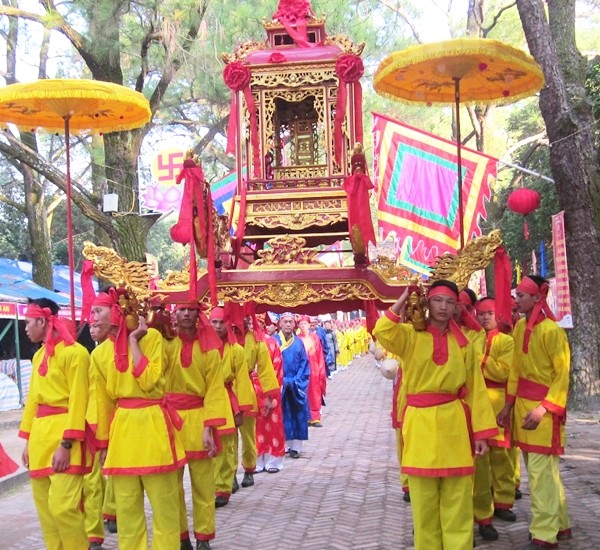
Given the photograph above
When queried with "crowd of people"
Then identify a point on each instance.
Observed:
(469, 394)
(181, 389)
(107, 429)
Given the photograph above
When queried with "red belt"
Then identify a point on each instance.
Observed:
(172, 418)
(235, 405)
(49, 410)
(492, 384)
(531, 390)
(185, 401)
(421, 400)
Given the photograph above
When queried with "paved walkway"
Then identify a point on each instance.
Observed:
(344, 492)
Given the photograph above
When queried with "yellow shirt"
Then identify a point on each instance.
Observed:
(202, 378)
(437, 438)
(142, 439)
(547, 364)
(258, 359)
(65, 385)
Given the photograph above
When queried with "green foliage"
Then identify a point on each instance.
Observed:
(171, 255)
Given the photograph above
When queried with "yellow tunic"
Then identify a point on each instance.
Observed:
(141, 440)
(547, 364)
(437, 439)
(258, 360)
(237, 380)
(65, 385)
(496, 368)
(202, 378)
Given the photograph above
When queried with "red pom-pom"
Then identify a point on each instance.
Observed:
(349, 68)
(236, 76)
(277, 57)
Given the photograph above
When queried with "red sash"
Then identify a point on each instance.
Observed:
(531, 390)
(492, 384)
(49, 410)
(235, 405)
(185, 401)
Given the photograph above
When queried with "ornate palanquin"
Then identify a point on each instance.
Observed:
(290, 198)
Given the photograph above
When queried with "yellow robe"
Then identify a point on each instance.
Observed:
(141, 440)
(258, 360)
(202, 378)
(429, 432)
(65, 385)
(547, 363)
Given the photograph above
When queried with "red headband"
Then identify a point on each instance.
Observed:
(541, 307)
(464, 299)
(34, 311)
(441, 290)
(217, 313)
(188, 305)
(117, 319)
(485, 305)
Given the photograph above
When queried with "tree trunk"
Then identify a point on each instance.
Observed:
(568, 117)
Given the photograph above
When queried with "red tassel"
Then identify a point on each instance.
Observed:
(526, 230)
(502, 283)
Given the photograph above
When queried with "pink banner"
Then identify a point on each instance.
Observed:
(562, 292)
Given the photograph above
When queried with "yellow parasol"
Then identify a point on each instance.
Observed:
(468, 70)
(73, 105)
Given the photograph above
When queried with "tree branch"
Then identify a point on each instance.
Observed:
(405, 17)
(486, 30)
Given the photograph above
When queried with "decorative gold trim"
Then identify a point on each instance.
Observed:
(391, 272)
(476, 254)
(296, 77)
(297, 221)
(245, 49)
(345, 44)
(286, 251)
(312, 21)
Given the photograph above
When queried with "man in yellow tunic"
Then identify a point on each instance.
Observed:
(241, 399)
(196, 389)
(262, 374)
(446, 418)
(537, 388)
(54, 426)
(137, 427)
(494, 488)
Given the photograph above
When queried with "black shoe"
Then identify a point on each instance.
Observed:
(518, 494)
(317, 424)
(202, 545)
(235, 486)
(186, 544)
(294, 454)
(221, 501)
(488, 532)
(111, 525)
(533, 546)
(248, 480)
(95, 546)
(406, 497)
(565, 534)
(505, 515)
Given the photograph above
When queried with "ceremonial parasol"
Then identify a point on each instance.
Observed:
(72, 105)
(468, 70)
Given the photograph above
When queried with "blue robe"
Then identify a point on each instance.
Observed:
(294, 398)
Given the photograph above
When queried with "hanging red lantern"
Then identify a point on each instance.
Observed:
(524, 201)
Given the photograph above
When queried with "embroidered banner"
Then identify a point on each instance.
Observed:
(415, 175)
(562, 293)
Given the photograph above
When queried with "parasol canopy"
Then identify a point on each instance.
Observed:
(89, 105)
(489, 71)
(467, 70)
(73, 105)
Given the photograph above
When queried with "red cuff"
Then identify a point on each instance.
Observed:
(213, 422)
(392, 316)
(74, 434)
(101, 444)
(140, 367)
(511, 399)
(485, 434)
(23, 435)
(554, 409)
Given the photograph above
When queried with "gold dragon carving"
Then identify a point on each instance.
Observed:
(476, 254)
(286, 251)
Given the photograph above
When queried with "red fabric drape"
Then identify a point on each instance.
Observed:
(502, 280)
(349, 69)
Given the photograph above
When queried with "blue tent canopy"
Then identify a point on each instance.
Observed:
(16, 284)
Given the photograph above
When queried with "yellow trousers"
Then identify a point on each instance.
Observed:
(483, 504)
(202, 476)
(503, 477)
(109, 508)
(247, 431)
(515, 456)
(58, 502)
(549, 513)
(403, 477)
(225, 464)
(93, 495)
(442, 510)
(163, 495)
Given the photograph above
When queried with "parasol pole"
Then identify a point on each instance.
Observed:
(459, 160)
(70, 226)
